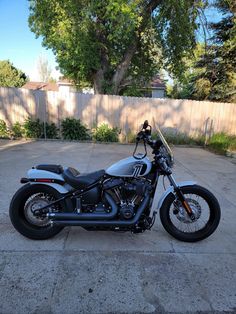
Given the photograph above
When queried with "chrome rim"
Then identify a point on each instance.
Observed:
(181, 220)
(35, 202)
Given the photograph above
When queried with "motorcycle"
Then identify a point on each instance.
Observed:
(116, 199)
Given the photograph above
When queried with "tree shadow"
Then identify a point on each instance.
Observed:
(127, 113)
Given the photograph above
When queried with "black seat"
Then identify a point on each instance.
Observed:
(81, 181)
(50, 167)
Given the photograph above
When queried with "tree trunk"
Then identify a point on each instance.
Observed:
(122, 68)
(98, 80)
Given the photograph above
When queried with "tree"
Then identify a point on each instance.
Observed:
(44, 70)
(216, 76)
(183, 87)
(10, 76)
(112, 44)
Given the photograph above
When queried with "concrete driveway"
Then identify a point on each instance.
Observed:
(105, 272)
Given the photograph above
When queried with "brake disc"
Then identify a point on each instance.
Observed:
(183, 216)
(31, 206)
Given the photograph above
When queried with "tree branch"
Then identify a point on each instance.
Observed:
(130, 51)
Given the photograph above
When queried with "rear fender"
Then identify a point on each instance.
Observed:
(34, 174)
(171, 190)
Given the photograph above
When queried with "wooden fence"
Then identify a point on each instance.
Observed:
(187, 116)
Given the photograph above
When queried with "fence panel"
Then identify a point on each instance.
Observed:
(127, 113)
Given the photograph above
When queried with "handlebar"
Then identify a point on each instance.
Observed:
(145, 136)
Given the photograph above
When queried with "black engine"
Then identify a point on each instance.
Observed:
(127, 193)
(126, 211)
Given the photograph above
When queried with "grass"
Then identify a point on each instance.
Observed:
(183, 139)
(221, 143)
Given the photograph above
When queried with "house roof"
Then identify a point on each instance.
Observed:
(64, 81)
(158, 83)
(47, 86)
(41, 86)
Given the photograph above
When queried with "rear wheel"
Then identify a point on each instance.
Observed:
(28, 199)
(177, 222)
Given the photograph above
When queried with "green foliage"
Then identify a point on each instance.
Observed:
(51, 130)
(131, 137)
(17, 130)
(179, 138)
(33, 128)
(113, 44)
(215, 78)
(104, 133)
(3, 129)
(184, 86)
(211, 72)
(11, 76)
(132, 91)
(176, 22)
(221, 142)
(73, 129)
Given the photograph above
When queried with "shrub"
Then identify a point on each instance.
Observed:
(221, 142)
(51, 130)
(17, 130)
(232, 145)
(3, 129)
(33, 128)
(131, 137)
(73, 129)
(104, 133)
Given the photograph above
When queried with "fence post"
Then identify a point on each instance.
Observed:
(206, 131)
(45, 117)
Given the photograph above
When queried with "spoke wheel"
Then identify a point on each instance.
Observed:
(35, 202)
(25, 202)
(205, 208)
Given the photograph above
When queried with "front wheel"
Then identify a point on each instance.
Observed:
(177, 222)
(28, 199)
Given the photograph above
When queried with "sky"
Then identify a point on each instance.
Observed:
(17, 43)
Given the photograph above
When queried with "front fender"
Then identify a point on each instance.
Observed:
(171, 190)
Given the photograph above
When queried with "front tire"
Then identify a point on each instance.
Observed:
(21, 213)
(176, 221)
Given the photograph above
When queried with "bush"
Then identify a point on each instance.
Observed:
(51, 130)
(17, 130)
(104, 133)
(33, 128)
(232, 145)
(131, 137)
(73, 129)
(221, 142)
(3, 129)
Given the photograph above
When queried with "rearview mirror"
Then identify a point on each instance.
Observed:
(145, 124)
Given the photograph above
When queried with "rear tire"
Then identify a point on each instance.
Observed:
(166, 212)
(18, 216)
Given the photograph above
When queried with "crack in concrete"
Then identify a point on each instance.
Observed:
(65, 240)
(202, 290)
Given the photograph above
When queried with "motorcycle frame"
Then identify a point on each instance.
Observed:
(174, 188)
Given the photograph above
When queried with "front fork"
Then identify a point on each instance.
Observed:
(180, 196)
